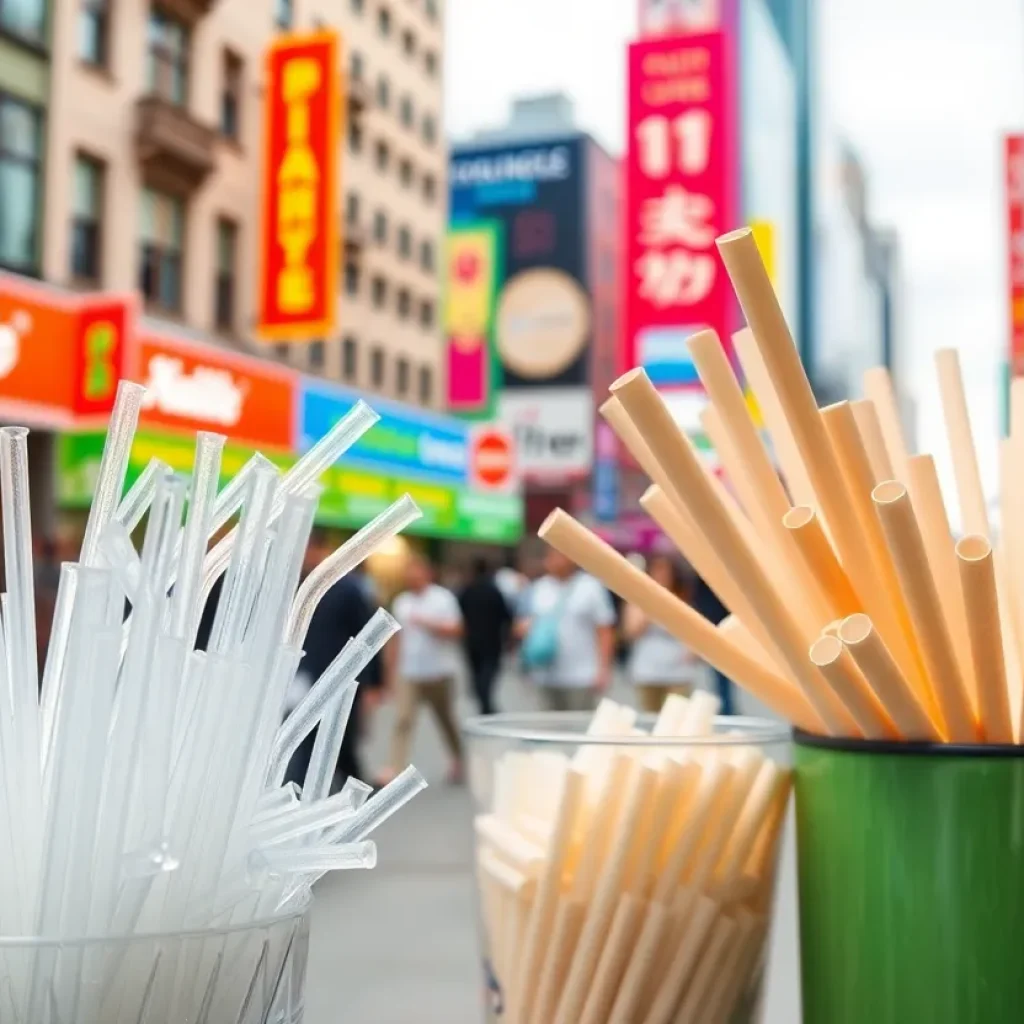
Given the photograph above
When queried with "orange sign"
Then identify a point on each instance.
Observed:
(300, 231)
(194, 387)
(60, 354)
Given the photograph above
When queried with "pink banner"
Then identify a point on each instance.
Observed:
(681, 192)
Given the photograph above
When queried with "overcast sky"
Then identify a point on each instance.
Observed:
(922, 88)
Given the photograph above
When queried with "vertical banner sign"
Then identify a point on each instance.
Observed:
(1015, 248)
(680, 194)
(300, 232)
(472, 255)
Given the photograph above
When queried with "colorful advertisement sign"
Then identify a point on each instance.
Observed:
(473, 270)
(664, 17)
(553, 432)
(300, 241)
(1014, 150)
(681, 194)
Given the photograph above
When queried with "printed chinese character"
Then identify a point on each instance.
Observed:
(678, 216)
(676, 277)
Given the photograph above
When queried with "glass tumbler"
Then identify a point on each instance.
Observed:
(625, 878)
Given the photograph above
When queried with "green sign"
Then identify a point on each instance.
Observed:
(351, 498)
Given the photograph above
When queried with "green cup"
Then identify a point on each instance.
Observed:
(911, 878)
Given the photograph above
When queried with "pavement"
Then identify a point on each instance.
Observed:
(397, 945)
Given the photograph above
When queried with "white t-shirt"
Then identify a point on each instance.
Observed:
(587, 607)
(422, 655)
(658, 657)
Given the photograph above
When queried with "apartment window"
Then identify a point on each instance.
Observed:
(283, 351)
(431, 7)
(356, 66)
(357, 6)
(406, 114)
(383, 92)
(426, 314)
(316, 355)
(163, 233)
(24, 18)
(384, 22)
(227, 254)
(426, 385)
(379, 290)
(429, 187)
(231, 96)
(429, 130)
(408, 42)
(352, 208)
(404, 242)
(430, 63)
(351, 279)
(427, 255)
(377, 367)
(355, 137)
(380, 227)
(167, 57)
(349, 358)
(405, 173)
(404, 303)
(87, 216)
(284, 13)
(93, 28)
(402, 377)
(382, 156)
(20, 177)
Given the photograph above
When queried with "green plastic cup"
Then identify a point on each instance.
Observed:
(911, 879)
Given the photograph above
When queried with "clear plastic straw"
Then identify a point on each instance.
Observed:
(386, 802)
(119, 553)
(302, 820)
(134, 505)
(359, 792)
(273, 802)
(318, 859)
(161, 533)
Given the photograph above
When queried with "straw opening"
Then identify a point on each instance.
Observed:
(974, 548)
(826, 650)
(888, 491)
(855, 629)
(798, 517)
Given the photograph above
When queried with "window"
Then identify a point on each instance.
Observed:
(380, 227)
(427, 255)
(349, 358)
(231, 96)
(163, 231)
(93, 30)
(426, 314)
(351, 279)
(402, 377)
(284, 13)
(167, 58)
(429, 187)
(431, 6)
(227, 249)
(356, 66)
(405, 173)
(379, 289)
(24, 18)
(87, 216)
(404, 303)
(383, 92)
(316, 355)
(20, 174)
(355, 138)
(377, 367)
(283, 351)
(430, 63)
(404, 242)
(382, 156)
(429, 130)
(408, 42)
(426, 385)
(384, 22)
(406, 114)
(357, 6)
(352, 208)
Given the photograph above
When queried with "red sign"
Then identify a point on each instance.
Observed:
(191, 387)
(681, 193)
(1015, 248)
(300, 232)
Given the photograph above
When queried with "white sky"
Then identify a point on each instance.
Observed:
(922, 88)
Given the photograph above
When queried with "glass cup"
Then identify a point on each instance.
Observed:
(625, 878)
(251, 974)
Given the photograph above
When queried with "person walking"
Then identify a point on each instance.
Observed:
(488, 620)
(567, 627)
(658, 663)
(425, 663)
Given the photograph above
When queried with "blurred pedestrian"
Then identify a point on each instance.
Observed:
(658, 663)
(566, 622)
(708, 604)
(488, 620)
(425, 662)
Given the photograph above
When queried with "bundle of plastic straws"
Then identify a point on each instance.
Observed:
(142, 789)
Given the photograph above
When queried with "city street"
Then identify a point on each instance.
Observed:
(397, 945)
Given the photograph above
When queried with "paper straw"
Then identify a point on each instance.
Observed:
(641, 964)
(564, 936)
(719, 942)
(839, 668)
(819, 558)
(973, 509)
(978, 580)
(878, 389)
(870, 428)
(893, 690)
(922, 600)
(622, 935)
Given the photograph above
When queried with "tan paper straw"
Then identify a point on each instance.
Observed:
(839, 668)
(744, 833)
(878, 388)
(765, 317)
(906, 546)
(973, 510)
(617, 418)
(1010, 569)
(798, 483)
(734, 630)
(881, 671)
(564, 938)
(813, 546)
(641, 965)
(588, 551)
(978, 577)
(729, 980)
(708, 970)
(622, 936)
(870, 427)
(637, 395)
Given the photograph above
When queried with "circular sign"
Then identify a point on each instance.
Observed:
(492, 458)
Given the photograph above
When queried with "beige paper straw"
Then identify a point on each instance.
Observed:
(978, 578)
(624, 932)
(813, 546)
(750, 820)
(906, 547)
(564, 939)
(723, 934)
(617, 418)
(641, 965)
(973, 509)
(743, 976)
(897, 696)
(839, 668)
(878, 388)
(870, 427)
(691, 489)
(725, 986)
(798, 483)
(576, 542)
(736, 632)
